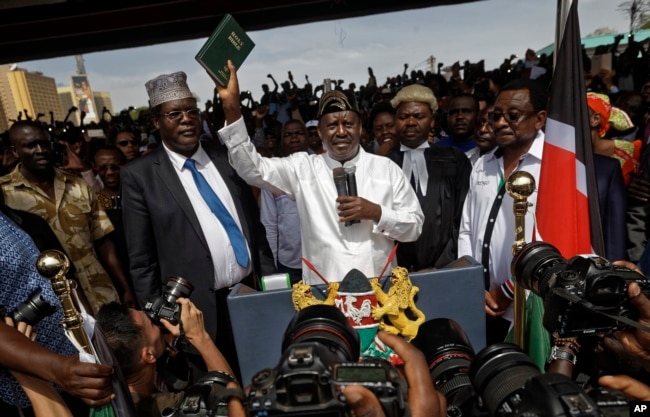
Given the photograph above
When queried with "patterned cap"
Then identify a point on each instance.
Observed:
(167, 87)
(335, 101)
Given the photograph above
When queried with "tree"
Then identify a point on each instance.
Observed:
(638, 11)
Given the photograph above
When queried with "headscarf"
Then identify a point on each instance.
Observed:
(609, 115)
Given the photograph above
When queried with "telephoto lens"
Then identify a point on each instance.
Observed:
(165, 306)
(177, 287)
(449, 354)
(499, 373)
(326, 325)
(33, 309)
(535, 265)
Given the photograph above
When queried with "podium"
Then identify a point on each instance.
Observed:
(259, 318)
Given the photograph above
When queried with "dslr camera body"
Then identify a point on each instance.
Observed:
(320, 357)
(205, 398)
(165, 306)
(582, 296)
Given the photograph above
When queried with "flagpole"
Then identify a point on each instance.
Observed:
(563, 7)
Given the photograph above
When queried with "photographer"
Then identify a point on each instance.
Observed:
(139, 343)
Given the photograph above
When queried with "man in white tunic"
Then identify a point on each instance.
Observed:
(386, 206)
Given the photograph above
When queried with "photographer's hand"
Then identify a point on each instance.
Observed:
(631, 387)
(633, 343)
(639, 188)
(423, 399)
(195, 333)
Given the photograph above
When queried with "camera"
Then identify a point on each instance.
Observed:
(582, 296)
(33, 309)
(204, 398)
(449, 353)
(165, 306)
(320, 356)
(509, 384)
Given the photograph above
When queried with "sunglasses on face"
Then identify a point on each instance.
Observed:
(127, 141)
(511, 116)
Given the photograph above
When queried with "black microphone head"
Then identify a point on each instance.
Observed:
(339, 174)
(340, 181)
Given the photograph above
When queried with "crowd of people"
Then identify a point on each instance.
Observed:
(244, 189)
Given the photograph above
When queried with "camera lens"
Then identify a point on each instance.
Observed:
(33, 309)
(499, 373)
(535, 265)
(177, 287)
(448, 353)
(327, 325)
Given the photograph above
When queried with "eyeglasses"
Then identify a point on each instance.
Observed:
(178, 114)
(511, 116)
(127, 141)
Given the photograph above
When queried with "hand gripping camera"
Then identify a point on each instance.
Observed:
(582, 296)
(165, 306)
(320, 357)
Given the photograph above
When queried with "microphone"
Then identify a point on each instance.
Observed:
(351, 181)
(340, 181)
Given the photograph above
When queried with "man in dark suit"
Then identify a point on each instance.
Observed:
(171, 225)
(439, 175)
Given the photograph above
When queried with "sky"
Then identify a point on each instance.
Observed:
(343, 49)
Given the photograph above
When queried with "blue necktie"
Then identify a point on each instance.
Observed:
(216, 206)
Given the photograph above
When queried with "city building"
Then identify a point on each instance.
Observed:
(22, 91)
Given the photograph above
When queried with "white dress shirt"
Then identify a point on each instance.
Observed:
(485, 181)
(227, 272)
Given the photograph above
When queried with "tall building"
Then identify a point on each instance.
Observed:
(103, 99)
(23, 91)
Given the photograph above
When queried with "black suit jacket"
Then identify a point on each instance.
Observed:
(164, 237)
(437, 246)
(612, 200)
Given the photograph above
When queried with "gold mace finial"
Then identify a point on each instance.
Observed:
(52, 262)
(520, 185)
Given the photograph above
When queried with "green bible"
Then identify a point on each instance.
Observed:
(227, 42)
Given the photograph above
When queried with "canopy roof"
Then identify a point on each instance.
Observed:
(37, 29)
